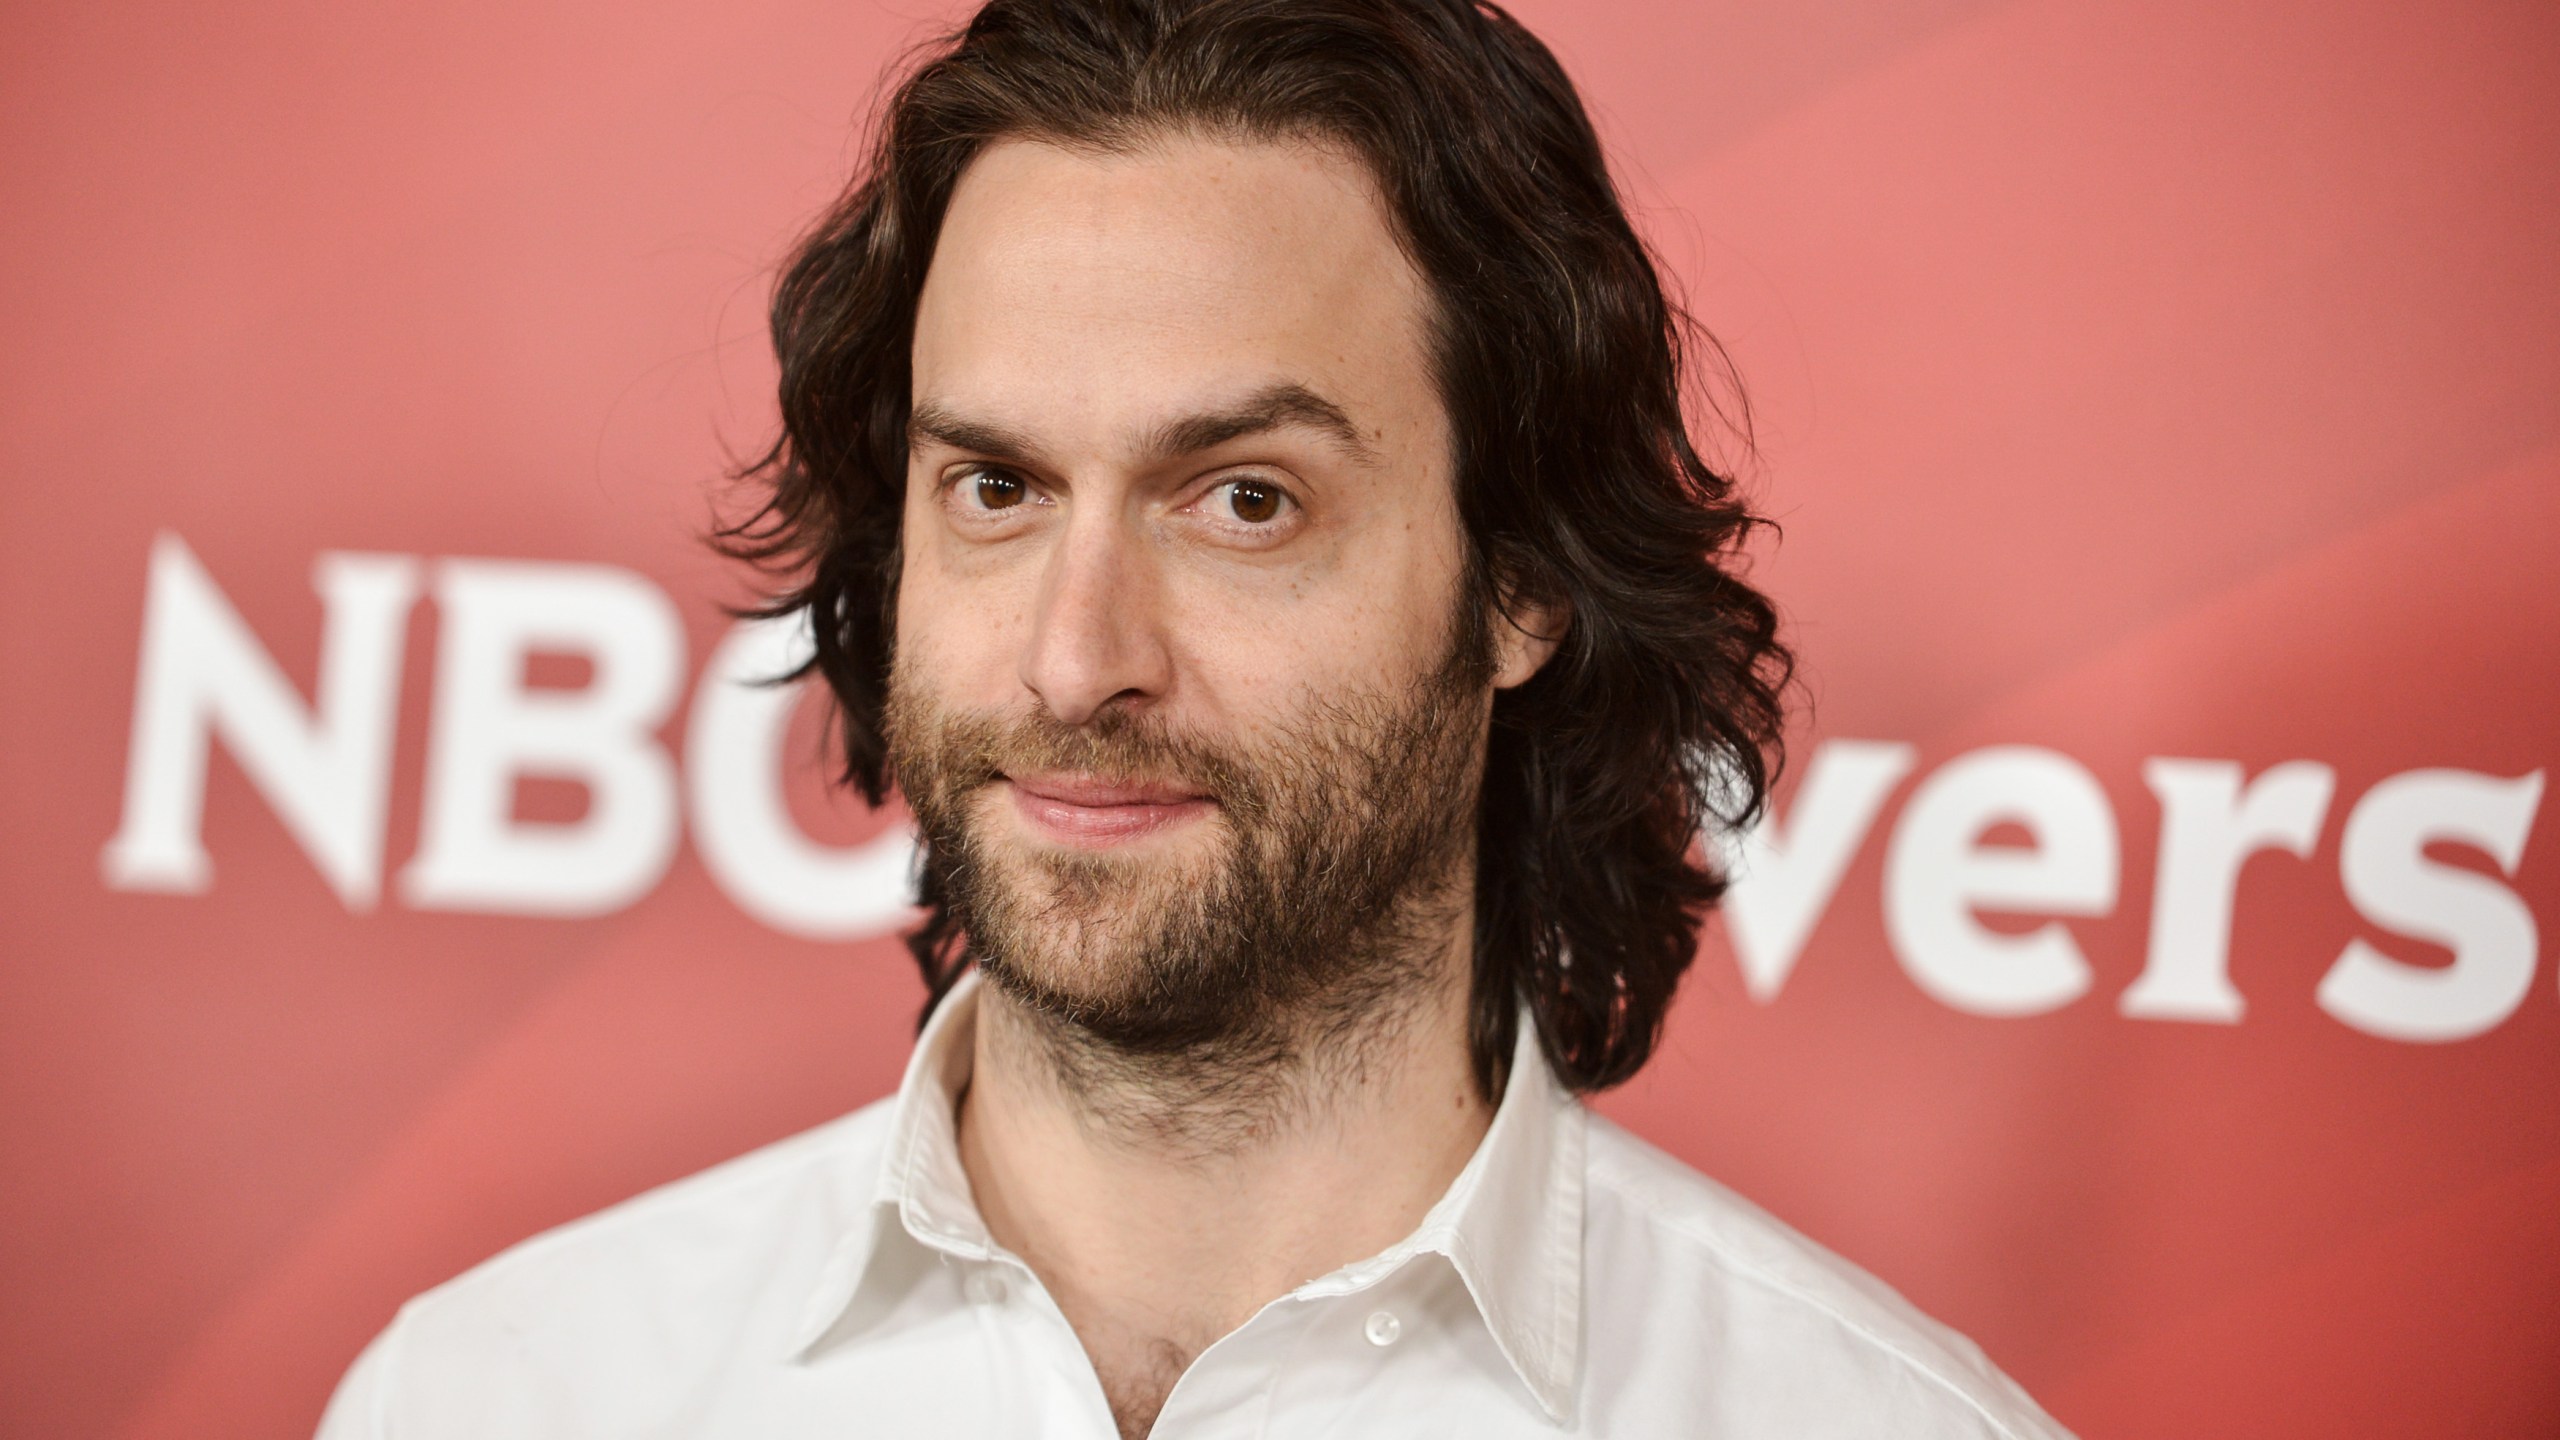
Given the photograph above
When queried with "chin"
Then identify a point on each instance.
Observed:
(1083, 923)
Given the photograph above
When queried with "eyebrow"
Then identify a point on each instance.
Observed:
(1272, 407)
(1279, 406)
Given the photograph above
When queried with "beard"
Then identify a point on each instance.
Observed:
(1313, 912)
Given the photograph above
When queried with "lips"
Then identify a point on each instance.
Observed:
(1091, 812)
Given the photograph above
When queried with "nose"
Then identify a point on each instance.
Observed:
(1097, 635)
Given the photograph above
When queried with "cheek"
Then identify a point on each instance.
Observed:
(1404, 585)
(1257, 649)
(957, 636)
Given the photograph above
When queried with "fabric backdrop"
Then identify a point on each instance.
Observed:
(2144, 972)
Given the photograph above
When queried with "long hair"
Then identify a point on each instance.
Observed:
(1559, 360)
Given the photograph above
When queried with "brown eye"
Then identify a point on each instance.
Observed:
(997, 490)
(1253, 502)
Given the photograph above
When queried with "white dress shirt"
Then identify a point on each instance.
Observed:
(1573, 1281)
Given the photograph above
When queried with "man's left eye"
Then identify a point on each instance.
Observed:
(1255, 502)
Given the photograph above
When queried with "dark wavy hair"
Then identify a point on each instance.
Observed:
(1558, 357)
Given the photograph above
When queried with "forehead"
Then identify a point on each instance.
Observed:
(1073, 288)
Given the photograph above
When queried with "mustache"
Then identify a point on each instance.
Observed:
(970, 750)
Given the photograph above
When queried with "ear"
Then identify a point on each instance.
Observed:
(1525, 634)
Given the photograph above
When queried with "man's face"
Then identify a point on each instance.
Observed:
(1185, 697)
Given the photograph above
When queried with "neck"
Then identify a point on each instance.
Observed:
(1162, 1202)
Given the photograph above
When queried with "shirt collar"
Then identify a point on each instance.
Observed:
(1510, 1223)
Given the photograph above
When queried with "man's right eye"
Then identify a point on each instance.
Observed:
(992, 490)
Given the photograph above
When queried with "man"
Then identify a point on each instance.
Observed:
(1233, 458)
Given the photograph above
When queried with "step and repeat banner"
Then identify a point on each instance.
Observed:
(2146, 970)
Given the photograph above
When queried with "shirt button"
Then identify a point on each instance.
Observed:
(984, 1286)
(1382, 1328)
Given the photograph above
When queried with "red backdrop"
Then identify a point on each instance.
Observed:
(2138, 383)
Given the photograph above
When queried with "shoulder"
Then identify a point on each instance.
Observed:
(1767, 1328)
(632, 1296)
(684, 1236)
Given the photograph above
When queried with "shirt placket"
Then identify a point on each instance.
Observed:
(1227, 1390)
(1053, 1390)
